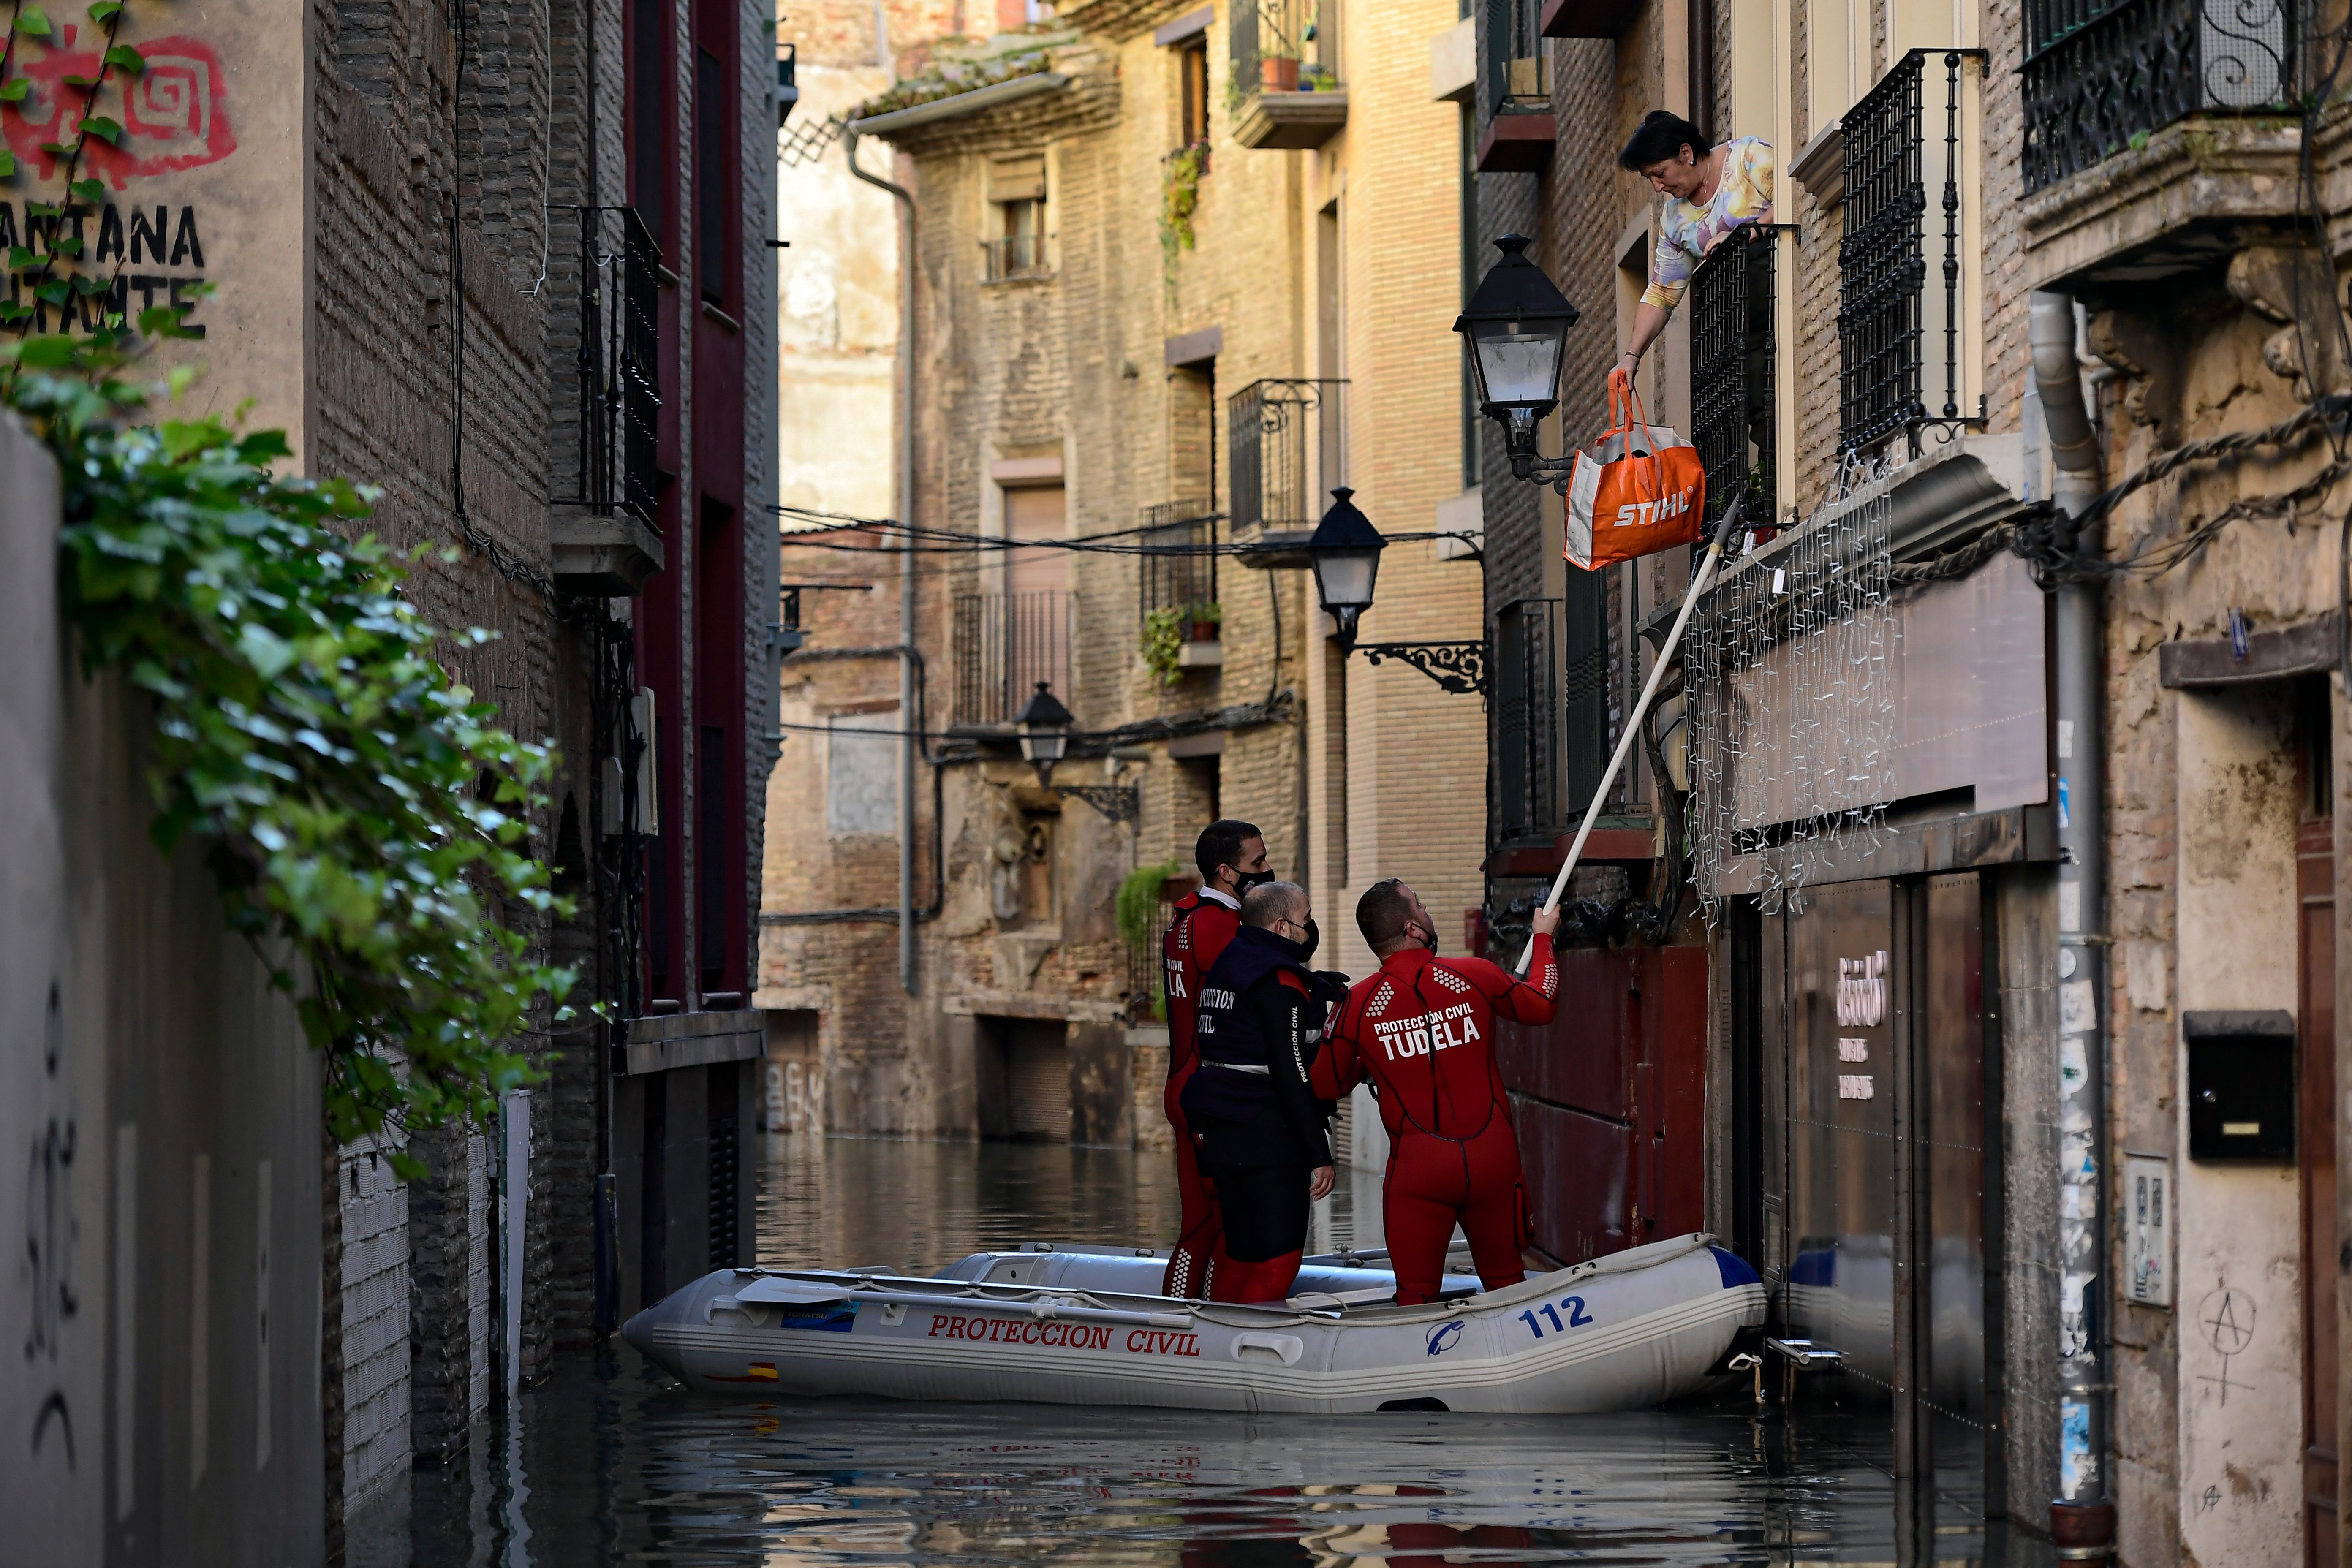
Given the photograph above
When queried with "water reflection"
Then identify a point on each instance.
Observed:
(608, 1462)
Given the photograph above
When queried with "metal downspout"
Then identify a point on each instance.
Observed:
(907, 740)
(2082, 1512)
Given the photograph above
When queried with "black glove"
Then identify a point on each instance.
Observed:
(1330, 985)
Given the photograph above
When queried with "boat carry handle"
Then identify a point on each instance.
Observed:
(1285, 1348)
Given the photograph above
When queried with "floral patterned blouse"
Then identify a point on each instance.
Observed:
(1687, 232)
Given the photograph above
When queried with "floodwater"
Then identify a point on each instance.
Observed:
(608, 1462)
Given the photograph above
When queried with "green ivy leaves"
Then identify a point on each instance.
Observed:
(355, 803)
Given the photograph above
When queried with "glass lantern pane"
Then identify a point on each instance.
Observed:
(1519, 365)
(1345, 578)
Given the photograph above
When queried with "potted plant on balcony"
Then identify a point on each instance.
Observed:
(1278, 73)
(1318, 78)
(1201, 620)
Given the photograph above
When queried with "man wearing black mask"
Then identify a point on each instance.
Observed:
(1262, 1134)
(1231, 855)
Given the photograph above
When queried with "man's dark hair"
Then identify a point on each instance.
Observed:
(1662, 134)
(1220, 844)
(1382, 912)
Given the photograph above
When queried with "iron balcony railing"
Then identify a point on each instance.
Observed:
(1519, 62)
(1732, 355)
(1551, 716)
(1286, 447)
(1004, 644)
(1283, 46)
(1886, 311)
(1178, 564)
(619, 410)
(2099, 73)
(1017, 256)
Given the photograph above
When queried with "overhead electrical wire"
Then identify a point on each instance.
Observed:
(951, 541)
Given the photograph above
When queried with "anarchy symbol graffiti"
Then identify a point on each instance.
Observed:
(2227, 1318)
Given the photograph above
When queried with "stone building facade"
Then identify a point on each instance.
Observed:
(2060, 1124)
(1091, 380)
(418, 225)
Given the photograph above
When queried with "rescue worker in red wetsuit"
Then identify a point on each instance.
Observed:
(1422, 1029)
(1231, 855)
(1262, 1136)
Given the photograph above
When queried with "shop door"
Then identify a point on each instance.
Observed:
(2315, 1137)
(1870, 1099)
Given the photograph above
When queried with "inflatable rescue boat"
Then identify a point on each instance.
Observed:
(1072, 1326)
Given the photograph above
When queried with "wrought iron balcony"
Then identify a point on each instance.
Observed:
(1732, 353)
(1286, 447)
(1017, 256)
(1551, 717)
(619, 387)
(2102, 75)
(1004, 644)
(1886, 311)
(1286, 88)
(1518, 61)
(1179, 567)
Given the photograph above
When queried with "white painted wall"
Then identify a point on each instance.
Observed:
(2239, 1303)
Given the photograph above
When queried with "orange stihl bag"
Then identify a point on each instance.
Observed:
(1638, 490)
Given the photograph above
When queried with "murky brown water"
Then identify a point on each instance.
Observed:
(609, 1462)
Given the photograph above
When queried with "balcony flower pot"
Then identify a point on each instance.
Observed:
(1203, 631)
(1279, 74)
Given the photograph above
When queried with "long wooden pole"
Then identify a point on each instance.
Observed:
(1705, 575)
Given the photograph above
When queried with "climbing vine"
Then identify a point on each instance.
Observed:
(1180, 198)
(364, 819)
(29, 21)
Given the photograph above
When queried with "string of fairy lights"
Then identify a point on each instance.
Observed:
(1793, 723)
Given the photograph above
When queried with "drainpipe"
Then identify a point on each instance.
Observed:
(907, 740)
(2082, 1517)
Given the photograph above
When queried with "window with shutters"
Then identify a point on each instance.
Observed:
(1016, 245)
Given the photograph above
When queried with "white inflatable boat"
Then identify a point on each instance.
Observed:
(1086, 1327)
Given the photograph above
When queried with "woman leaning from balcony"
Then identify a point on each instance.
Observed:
(1707, 194)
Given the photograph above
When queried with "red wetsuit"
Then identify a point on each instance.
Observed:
(1422, 1029)
(1205, 922)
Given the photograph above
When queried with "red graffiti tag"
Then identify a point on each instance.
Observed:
(174, 114)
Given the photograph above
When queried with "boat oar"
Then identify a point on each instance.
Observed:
(1723, 532)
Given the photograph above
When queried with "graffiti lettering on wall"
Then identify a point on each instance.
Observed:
(110, 241)
(169, 115)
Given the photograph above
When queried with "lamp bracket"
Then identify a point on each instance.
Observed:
(1118, 803)
(1456, 667)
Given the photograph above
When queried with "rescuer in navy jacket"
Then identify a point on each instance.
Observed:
(1262, 1134)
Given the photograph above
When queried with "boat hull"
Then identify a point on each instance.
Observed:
(1621, 1334)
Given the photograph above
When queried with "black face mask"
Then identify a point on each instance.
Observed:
(1244, 880)
(1314, 939)
(1429, 938)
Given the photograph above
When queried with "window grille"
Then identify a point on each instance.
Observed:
(619, 410)
(1014, 255)
(1551, 710)
(1732, 352)
(1179, 568)
(1286, 451)
(2099, 73)
(1004, 645)
(1883, 311)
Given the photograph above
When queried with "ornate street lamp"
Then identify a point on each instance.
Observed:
(1516, 329)
(1346, 553)
(1044, 725)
